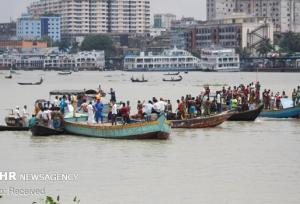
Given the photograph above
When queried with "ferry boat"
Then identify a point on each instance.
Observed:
(170, 60)
(220, 60)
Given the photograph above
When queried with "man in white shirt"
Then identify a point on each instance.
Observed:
(147, 109)
(114, 112)
(219, 102)
(91, 116)
(18, 116)
(56, 102)
(160, 106)
(25, 116)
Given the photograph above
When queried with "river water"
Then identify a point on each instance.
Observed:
(237, 162)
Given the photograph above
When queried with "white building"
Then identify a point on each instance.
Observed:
(220, 60)
(169, 60)
(81, 17)
(164, 20)
(46, 59)
(285, 14)
(93, 60)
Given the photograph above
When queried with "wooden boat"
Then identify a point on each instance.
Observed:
(158, 129)
(138, 80)
(249, 115)
(12, 124)
(292, 112)
(8, 77)
(64, 73)
(36, 83)
(13, 128)
(186, 72)
(202, 122)
(173, 80)
(41, 130)
(172, 74)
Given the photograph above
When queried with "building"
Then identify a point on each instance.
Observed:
(164, 20)
(7, 30)
(21, 44)
(82, 17)
(219, 59)
(284, 14)
(238, 31)
(35, 28)
(47, 59)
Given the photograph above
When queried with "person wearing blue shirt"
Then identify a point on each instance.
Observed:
(98, 106)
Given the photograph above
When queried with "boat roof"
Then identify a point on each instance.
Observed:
(73, 92)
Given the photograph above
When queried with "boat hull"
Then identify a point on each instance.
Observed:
(202, 122)
(284, 113)
(159, 129)
(40, 130)
(12, 128)
(250, 115)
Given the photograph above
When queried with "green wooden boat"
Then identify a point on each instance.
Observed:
(158, 129)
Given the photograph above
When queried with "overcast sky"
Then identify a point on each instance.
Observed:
(196, 8)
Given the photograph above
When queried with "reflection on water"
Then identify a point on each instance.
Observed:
(237, 162)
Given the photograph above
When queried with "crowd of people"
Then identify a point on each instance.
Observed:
(241, 98)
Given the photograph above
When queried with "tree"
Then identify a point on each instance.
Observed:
(243, 52)
(265, 47)
(290, 42)
(98, 42)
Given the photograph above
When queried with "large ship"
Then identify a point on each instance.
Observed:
(217, 59)
(170, 60)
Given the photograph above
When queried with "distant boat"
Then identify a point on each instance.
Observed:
(136, 80)
(249, 115)
(283, 113)
(36, 83)
(64, 73)
(158, 129)
(173, 80)
(8, 77)
(174, 74)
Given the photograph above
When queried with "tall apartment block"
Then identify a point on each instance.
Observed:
(81, 17)
(34, 28)
(285, 14)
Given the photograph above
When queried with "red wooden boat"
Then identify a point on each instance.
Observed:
(202, 122)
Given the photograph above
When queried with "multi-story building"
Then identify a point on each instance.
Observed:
(82, 17)
(285, 14)
(7, 30)
(47, 59)
(34, 28)
(235, 32)
(164, 20)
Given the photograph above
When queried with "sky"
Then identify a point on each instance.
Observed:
(11, 9)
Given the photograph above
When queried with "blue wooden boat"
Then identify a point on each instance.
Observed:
(158, 129)
(292, 112)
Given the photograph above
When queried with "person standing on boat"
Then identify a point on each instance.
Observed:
(147, 109)
(139, 109)
(18, 116)
(219, 102)
(294, 97)
(98, 106)
(91, 116)
(298, 95)
(114, 113)
(25, 116)
(112, 95)
(74, 104)
(56, 102)
(62, 104)
(125, 113)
